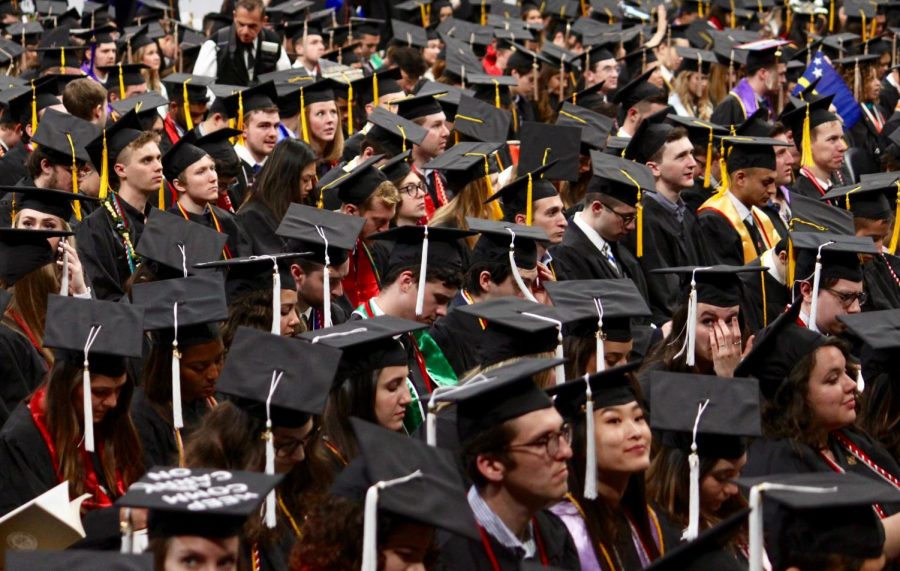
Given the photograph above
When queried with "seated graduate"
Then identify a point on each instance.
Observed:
(77, 559)
(419, 493)
(76, 427)
(515, 447)
(607, 510)
(183, 537)
(712, 549)
(411, 187)
(270, 422)
(182, 317)
(370, 384)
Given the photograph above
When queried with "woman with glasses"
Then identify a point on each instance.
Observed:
(411, 210)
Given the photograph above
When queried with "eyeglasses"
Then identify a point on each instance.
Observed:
(847, 298)
(626, 218)
(287, 448)
(413, 189)
(549, 442)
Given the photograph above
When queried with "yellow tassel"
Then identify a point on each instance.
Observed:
(789, 15)
(403, 134)
(240, 117)
(639, 220)
(34, 109)
(792, 263)
(545, 157)
(104, 169)
(862, 14)
(62, 57)
(895, 235)
(374, 90)
(122, 85)
(350, 109)
(806, 158)
(423, 15)
(483, 13)
(732, 17)
(707, 175)
(528, 207)
(873, 29)
(161, 196)
(496, 93)
(184, 91)
(303, 128)
(762, 285)
(831, 16)
(76, 205)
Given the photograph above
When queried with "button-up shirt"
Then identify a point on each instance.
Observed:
(495, 527)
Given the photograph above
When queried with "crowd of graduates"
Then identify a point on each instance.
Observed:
(450, 284)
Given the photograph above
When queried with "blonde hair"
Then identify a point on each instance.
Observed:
(701, 107)
(468, 202)
(151, 76)
(386, 191)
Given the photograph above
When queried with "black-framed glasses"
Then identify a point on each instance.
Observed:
(550, 442)
(847, 298)
(287, 447)
(626, 218)
(413, 189)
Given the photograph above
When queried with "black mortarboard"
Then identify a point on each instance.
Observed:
(620, 178)
(695, 60)
(254, 273)
(396, 168)
(481, 121)
(47, 200)
(258, 359)
(177, 244)
(612, 387)
(136, 39)
(146, 106)
(447, 96)
(203, 502)
(417, 106)
(649, 137)
(113, 139)
(811, 215)
(19, 101)
(499, 237)
(868, 199)
(460, 59)
(200, 299)
(751, 152)
(182, 155)
(635, 91)
(54, 46)
(261, 96)
(522, 58)
(516, 195)
(416, 10)
(406, 34)
(367, 345)
(492, 89)
(23, 251)
(25, 32)
(99, 35)
(77, 560)
(56, 130)
(815, 113)
(777, 348)
(542, 144)
(301, 226)
(595, 128)
(840, 255)
(506, 392)
(465, 32)
(756, 125)
(370, 88)
(762, 53)
(123, 75)
(392, 132)
(370, 26)
(716, 285)
(356, 185)
(196, 86)
(465, 162)
(9, 51)
(217, 144)
(709, 551)
(616, 300)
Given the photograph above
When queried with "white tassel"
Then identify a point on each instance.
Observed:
(817, 279)
(433, 400)
(431, 425)
(270, 449)
(691, 337)
(177, 417)
(127, 533)
(183, 260)
(756, 529)
(860, 381)
(326, 282)
(86, 389)
(423, 266)
(561, 368)
(590, 455)
(600, 360)
(515, 270)
(370, 520)
(64, 281)
(693, 528)
(276, 298)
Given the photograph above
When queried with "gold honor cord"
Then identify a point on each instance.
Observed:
(76, 205)
(573, 117)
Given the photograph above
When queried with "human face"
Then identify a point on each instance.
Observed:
(707, 317)
(407, 546)
(313, 48)
(368, 43)
(698, 83)
(248, 24)
(261, 133)
(832, 393)
(431, 52)
(616, 353)
(311, 286)
(872, 87)
(828, 146)
(437, 298)
(144, 169)
(537, 479)
(391, 397)
(200, 368)
(289, 318)
(378, 217)
(308, 180)
(606, 70)
(758, 186)
(323, 120)
(877, 230)
(524, 84)
(200, 181)
(675, 171)
(533, 17)
(150, 57)
(831, 305)
(784, 163)
(718, 486)
(412, 198)
(132, 90)
(623, 439)
(105, 55)
(548, 214)
(615, 222)
(509, 287)
(105, 393)
(437, 133)
(191, 553)
(196, 110)
(290, 445)
(35, 220)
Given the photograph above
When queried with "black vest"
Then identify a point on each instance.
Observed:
(231, 69)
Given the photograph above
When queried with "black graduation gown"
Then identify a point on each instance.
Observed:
(888, 98)
(259, 224)
(865, 137)
(12, 165)
(525, 111)
(778, 297)
(695, 196)
(463, 553)
(273, 556)
(156, 432)
(238, 245)
(22, 369)
(102, 252)
(881, 283)
(772, 212)
(729, 111)
(667, 243)
(805, 187)
(27, 467)
(458, 335)
(723, 243)
(576, 258)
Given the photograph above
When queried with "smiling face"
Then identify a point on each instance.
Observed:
(623, 438)
(391, 397)
(831, 394)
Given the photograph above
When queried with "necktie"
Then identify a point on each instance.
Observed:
(755, 236)
(607, 251)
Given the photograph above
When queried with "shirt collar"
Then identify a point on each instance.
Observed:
(591, 234)
(767, 260)
(494, 526)
(243, 153)
(742, 210)
(673, 207)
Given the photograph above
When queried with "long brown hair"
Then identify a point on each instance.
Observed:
(121, 449)
(29, 301)
(469, 201)
(702, 106)
(278, 183)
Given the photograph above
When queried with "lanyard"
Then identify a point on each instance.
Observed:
(468, 297)
(812, 178)
(874, 116)
(539, 542)
(226, 251)
(847, 445)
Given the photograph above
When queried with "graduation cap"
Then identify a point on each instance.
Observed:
(622, 180)
(104, 150)
(366, 26)
(649, 137)
(136, 39)
(523, 58)
(466, 32)
(406, 34)
(47, 200)
(803, 120)
(481, 121)
(466, 162)
(542, 144)
(370, 88)
(411, 9)
(145, 105)
(749, 152)
(868, 199)
(176, 244)
(460, 59)
(502, 241)
(493, 89)
(96, 333)
(447, 96)
(417, 106)
(23, 104)
(398, 167)
(123, 75)
(811, 215)
(356, 185)
(9, 51)
(393, 133)
(817, 514)
(708, 550)
(610, 305)
(182, 155)
(695, 60)
(595, 128)
(367, 345)
(187, 87)
(405, 478)
(635, 91)
(98, 35)
(212, 503)
(23, 251)
(612, 387)
(718, 285)
(520, 195)
(417, 246)
(77, 560)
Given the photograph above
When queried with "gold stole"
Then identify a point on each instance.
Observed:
(722, 204)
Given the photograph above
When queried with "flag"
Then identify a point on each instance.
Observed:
(830, 82)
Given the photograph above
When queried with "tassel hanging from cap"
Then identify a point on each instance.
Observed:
(723, 170)
(88, 408)
(639, 220)
(732, 18)
(370, 520)
(806, 158)
(831, 16)
(864, 32)
(177, 416)
(161, 195)
(402, 134)
(590, 464)
(529, 207)
(104, 169)
(350, 109)
(64, 279)
(600, 347)
(895, 233)
(688, 349)
(126, 528)
(304, 128)
(186, 105)
(375, 97)
(496, 93)
(423, 15)
(423, 267)
(693, 528)
(707, 174)
(271, 521)
(326, 304)
(514, 268)
(76, 204)
(122, 85)
(817, 282)
(483, 13)
(34, 109)
(62, 58)
(240, 115)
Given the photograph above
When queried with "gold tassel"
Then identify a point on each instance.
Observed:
(707, 175)
(34, 109)
(874, 26)
(76, 204)
(639, 220)
(122, 85)
(62, 58)
(792, 264)
(240, 117)
(184, 92)
(374, 90)
(765, 310)
(423, 15)
(483, 13)
(104, 169)
(350, 109)
(806, 158)
(831, 16)
(723, 168)
(496, 93)
(732, 17)
(403, 134)
(528, 207)
(895, 235)
(303, 128)
(161, 197)
(862, 14)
